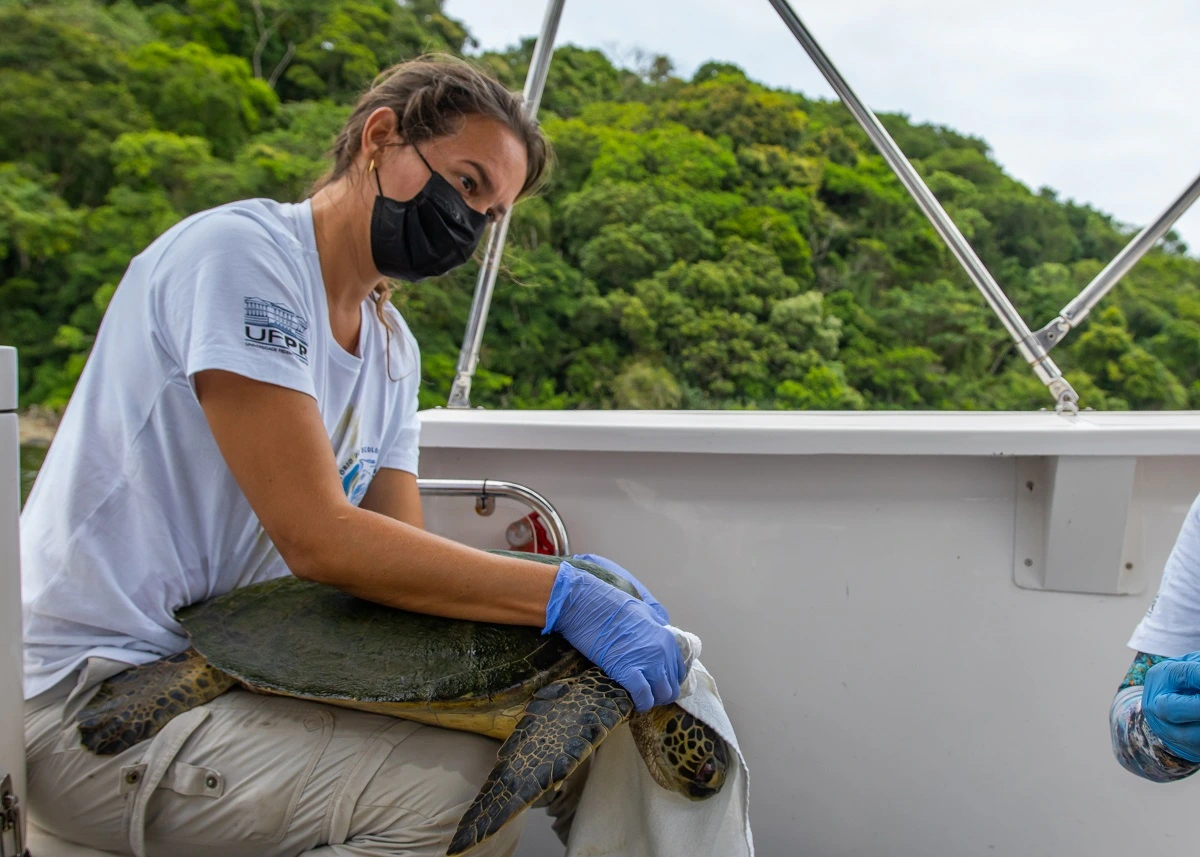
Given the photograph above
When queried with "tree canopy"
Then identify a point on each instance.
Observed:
(703, 243)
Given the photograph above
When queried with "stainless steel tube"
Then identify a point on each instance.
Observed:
(1031, 349)
(485, 285)
(1078, 309)
(499, 488)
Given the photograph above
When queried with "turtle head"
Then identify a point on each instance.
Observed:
(684, 755)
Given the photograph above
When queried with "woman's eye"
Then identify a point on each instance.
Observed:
(468, 184)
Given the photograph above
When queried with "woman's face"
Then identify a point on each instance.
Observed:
(485, 161)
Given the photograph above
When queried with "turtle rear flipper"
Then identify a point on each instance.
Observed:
(563, 723)
(135, 704)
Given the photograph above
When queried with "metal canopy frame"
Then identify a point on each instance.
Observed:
(1034, 347)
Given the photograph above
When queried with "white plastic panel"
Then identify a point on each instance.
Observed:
(1071, 522)
(895, 692)
(12, 740)
(818, 433)
(8, 378)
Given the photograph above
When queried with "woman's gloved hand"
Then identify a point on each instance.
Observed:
(1171, 704)
(609, 565)
(618, 633)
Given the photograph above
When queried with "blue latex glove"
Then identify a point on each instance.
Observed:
(618, 633)
(609, 565)
(1171, 704)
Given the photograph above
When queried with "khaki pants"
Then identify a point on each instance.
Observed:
(256, 775)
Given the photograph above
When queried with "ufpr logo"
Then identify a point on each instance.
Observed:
(276, 327)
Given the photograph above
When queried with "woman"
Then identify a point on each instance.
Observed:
(1155, 716)
(249, 411)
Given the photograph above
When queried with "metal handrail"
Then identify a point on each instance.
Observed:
(485, 285)
(486, 490)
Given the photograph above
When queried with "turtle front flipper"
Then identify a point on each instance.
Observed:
(563, 723)
(135, 704)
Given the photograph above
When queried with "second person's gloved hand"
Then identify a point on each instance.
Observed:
(608, 565)
(1171, 704)
(618, 633)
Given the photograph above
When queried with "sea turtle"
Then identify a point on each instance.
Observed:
(548, 704)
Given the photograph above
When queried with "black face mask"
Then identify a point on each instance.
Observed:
(427, 235)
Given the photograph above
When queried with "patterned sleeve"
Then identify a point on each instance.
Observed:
(1137, 748)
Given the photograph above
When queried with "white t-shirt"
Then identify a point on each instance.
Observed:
(134, 513)
(1171, 627)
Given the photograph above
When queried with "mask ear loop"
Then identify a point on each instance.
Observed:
(371, 168)
(422, 157)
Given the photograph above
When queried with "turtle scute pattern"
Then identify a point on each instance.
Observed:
(696, 752)
(563, 723)
(134, 705)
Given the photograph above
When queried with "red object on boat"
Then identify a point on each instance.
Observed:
(529, 534)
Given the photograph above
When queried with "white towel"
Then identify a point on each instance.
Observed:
(622, 811)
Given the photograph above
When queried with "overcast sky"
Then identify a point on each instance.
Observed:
(1099, 100)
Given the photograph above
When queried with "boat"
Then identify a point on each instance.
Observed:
(917, 619)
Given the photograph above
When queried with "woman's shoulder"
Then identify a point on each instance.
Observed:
(224, 266)
(244, 226)
(249, 243)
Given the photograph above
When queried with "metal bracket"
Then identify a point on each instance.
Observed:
(1053, 333)
(1071, 526)
(1066, 400)
(11, 828)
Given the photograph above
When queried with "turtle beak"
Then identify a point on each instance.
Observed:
(685, 755)
(710, 777)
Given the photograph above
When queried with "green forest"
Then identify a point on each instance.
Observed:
(704, 242)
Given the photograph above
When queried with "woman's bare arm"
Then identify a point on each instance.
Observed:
(395, 493)
(274, 443)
